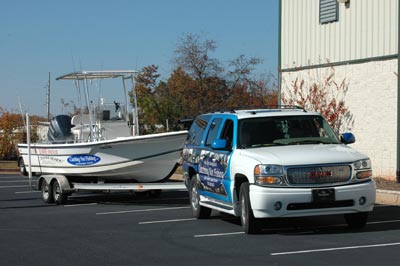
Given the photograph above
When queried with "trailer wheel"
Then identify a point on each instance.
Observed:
(47, 194)
(22, 167)
(60, 198)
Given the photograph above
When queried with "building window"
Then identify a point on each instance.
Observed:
(328, 11)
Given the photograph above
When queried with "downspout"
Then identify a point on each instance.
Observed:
(398, 95)
(279, 55)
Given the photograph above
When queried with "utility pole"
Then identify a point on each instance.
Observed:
(398, 99)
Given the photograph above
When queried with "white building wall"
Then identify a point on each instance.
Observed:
(366, 28)
(372, 99)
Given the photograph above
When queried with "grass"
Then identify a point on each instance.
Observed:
(8, 164)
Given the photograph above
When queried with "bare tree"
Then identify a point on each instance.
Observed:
(193, 56)
(241, 69)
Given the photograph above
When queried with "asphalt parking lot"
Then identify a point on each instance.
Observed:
(124, 229)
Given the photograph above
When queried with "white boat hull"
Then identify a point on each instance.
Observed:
(148, 158)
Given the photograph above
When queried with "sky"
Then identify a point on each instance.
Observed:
(59, 37)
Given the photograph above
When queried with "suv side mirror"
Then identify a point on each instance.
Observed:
(347, 138)
(219, 144)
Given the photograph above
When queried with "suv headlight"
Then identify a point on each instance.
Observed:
(269, 174)
(363, 169)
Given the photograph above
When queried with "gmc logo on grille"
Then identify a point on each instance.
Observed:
(319, 174)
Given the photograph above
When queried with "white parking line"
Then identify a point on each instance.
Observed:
(27, 192)
(333, 249)
(162, 199)
(79, 205)
(14, 181)
(17, 186)
(145, 210)
(220, 234)
(12, 177)
(384, 222)
(169, 221)
(291, 228)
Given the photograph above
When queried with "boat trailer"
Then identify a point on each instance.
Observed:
(57, 188)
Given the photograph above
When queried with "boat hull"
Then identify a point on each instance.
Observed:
(148, 158)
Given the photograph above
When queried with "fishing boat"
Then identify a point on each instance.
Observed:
(102, 144)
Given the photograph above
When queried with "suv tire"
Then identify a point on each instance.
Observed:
(250, 224)
(199, 212)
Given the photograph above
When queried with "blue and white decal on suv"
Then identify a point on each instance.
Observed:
(212, 168)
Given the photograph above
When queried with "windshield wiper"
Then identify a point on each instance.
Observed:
(306, 142)
(261, 145)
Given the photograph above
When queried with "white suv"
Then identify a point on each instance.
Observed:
(275, 163)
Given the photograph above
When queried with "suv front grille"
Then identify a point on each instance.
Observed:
(318, 175)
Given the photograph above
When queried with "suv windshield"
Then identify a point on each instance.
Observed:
(286, 130)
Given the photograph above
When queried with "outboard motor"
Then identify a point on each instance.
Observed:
(60, 129)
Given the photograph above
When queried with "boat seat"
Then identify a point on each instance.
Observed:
(81, 131)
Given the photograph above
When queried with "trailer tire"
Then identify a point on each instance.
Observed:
(60, 198)
(22, 167)
(47, 193)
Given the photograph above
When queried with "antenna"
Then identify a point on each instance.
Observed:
(48, 99)
(20, 109)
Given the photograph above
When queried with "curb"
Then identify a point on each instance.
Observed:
(387, 197)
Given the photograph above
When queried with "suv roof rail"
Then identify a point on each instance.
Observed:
(249, 108)
(286, 107)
